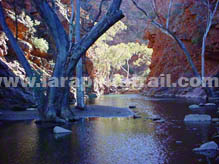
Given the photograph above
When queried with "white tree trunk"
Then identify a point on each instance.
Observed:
(79, 68)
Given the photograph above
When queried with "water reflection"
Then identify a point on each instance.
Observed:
(109, 140)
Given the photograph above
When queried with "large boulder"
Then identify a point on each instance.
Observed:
(208, 149)
(60, 130)
(207, 146)
(197, 118)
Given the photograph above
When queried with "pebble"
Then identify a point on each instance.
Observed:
(178, 142)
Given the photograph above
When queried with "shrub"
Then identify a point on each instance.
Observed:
(41, 44)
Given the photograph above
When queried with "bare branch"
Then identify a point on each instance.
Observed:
(169, 33)
(51, 19)
(100, 11)
(211, 15)
(169, 13)
(113, 15)
(154, 6)
(71, 24)
(215, 8)
(97, 17)
(142, 10)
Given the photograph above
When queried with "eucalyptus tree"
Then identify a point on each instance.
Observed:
(210, 17)
(55, 101)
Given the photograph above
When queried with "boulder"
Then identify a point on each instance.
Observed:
(215, 119)
(179, 142)
(207, 147)
(194, 106)
(197, 118)
(58, 130)
(31, 109)
(210, 104)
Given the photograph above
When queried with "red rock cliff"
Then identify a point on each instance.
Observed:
(188, 24)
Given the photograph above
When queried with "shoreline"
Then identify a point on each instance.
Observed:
(90, 112)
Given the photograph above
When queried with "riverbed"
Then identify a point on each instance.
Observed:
(111, 140)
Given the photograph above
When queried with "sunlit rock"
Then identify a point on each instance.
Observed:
(58, 130)
(194, 106)
(179, 142)
(197, 118)
(31, 109)
(210, 104)
(208, 149)
(215, 119)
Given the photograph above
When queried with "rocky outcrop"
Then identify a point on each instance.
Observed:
(15, 98)
(19, 98)
(188, 24)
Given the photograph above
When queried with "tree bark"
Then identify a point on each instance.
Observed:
(55, 95)
(79, 68)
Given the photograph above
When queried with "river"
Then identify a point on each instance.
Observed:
(111, 140)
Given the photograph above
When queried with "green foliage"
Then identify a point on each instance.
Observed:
(109, 59)
(41, 44)
(117, 80)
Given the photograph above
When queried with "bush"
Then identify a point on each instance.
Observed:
(41, 44)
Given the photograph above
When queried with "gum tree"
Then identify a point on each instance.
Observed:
(54, 104)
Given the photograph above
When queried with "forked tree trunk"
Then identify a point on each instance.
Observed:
(58, 101)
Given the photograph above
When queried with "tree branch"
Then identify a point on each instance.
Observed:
(100, 11)
(169, 33)
(113, 15)
(53, 22)
(20, 54)
(169, 13)
(71, 24)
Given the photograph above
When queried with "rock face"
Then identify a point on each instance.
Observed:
(188, 24)
(197, 118)
(16, 98)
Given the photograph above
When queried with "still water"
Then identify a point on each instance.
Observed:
(111, 141)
